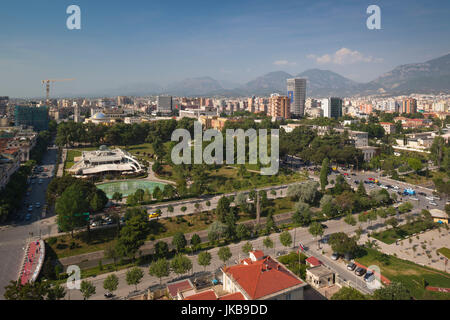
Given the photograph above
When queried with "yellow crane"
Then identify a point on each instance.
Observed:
(47, 85)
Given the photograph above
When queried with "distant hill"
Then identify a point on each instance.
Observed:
(432, 76)
(327, 83)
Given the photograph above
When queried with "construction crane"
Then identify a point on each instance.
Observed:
(47, 85)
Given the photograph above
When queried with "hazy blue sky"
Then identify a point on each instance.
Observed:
(126, 42)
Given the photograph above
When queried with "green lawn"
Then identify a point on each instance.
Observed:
(409, 273)
(391, 235)
(444, 251)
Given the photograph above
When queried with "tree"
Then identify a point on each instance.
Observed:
(361, 190)
(316, 230)
(204, 259)
(393, 222)
(179, 241)
(224, 254)
(87, 289)
(133, 235)
(134, 276)
(216, 231)
(161, 249)
(348, 293)
(394, 291)
(70, 206)
(111, 252)
(437, 150)
(33, 291)
(195, 241)
(98, 201)
(117, 196)
(223, 207)
(324, 173)
(242, 231)
(286, 239)
(181, 264)
(342, 244)
(111, 283)
(247, 247)
(349, 219)
(160, 268)
(57, 292)
(268, 243)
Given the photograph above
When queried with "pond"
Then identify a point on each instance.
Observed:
(128, 187)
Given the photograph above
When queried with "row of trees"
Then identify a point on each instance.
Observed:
(71, 133)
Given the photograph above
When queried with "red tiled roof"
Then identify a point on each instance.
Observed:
(314, 261)
(233, 296)
(262, 278)
(258, 254)
(178, 286)
(211, 295)
(205, 295)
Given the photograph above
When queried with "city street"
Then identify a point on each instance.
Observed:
(14, 237)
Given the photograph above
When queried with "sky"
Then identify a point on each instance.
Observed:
(137, 43)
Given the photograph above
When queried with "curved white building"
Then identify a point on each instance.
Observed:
(104, 161)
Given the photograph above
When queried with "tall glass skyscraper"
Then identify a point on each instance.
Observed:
(296, 91)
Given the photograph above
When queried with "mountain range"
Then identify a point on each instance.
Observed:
(432, 76)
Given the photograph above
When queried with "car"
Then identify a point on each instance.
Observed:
(108, 295)
(396, 188)
(356, 182)
(429, 198)
(360, 271)
(335, 256)
(154, 215)
(353, 174)
(281, 253)
(423, 194)
(94, 224)
(38, 204)
(369, 276)
(351, 266)
(414, 198)
(30, 208)
(28, 217)
(433, 203)
(437, 198)
(383, 187)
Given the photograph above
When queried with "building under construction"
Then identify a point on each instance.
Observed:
(36, 117)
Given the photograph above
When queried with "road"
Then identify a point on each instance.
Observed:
(299, 234)
(13, 237)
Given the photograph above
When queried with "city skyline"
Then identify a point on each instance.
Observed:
(140, 44)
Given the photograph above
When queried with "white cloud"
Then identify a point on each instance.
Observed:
(344, 56)
(283, 63)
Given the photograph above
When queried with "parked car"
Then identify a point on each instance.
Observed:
(351, 266)
(38, 204)
(422, 194)
(433, 203)
(27, 217)
(414, 198)
(429, 198)
(396, 188)
(356, 182)
(369, 277)
(281, 253)
(335, 256)
(360, 271)
(108, 295)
